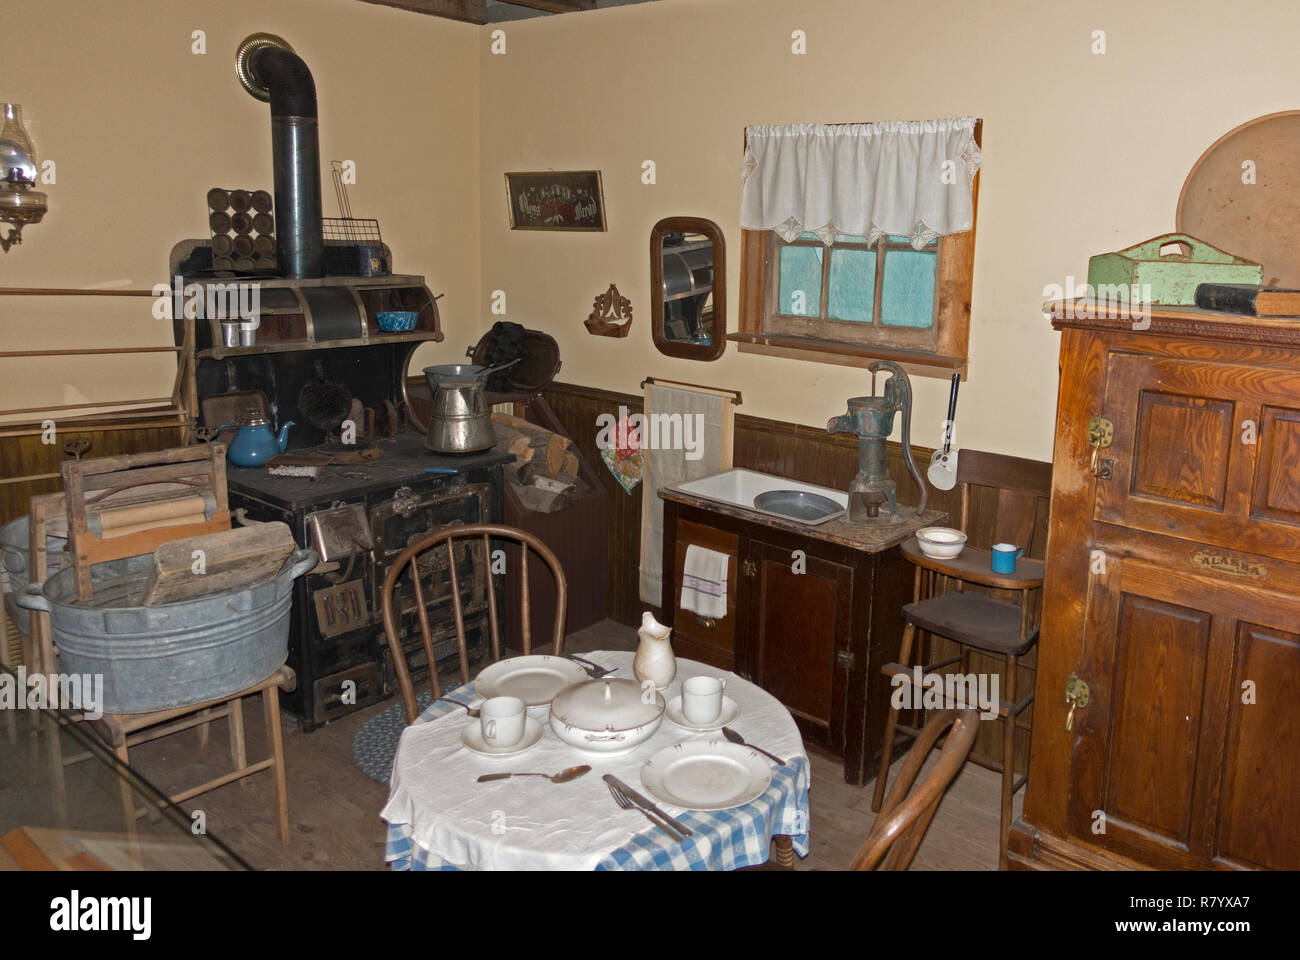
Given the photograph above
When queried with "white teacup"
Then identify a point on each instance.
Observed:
(702, 698)
(502, 720)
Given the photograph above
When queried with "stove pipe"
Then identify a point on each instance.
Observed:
(295, 154)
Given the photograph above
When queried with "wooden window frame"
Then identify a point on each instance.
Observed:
(941, 353)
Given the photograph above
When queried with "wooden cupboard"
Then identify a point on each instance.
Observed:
(812, 615)
(1167, 728)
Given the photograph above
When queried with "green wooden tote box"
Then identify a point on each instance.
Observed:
(1172, 264)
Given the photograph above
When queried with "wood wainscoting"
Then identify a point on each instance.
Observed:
(803, 453)
(29, 466)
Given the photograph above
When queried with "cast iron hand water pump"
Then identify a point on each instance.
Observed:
(872, 419)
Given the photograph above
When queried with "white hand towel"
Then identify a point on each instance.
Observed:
(704, 582)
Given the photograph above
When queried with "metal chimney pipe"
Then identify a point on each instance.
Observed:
(270, 70)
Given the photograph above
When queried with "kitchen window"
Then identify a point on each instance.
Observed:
(851, 301)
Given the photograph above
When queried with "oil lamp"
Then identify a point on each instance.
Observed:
(20, 205)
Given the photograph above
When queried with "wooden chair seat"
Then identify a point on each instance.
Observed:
(974, 619)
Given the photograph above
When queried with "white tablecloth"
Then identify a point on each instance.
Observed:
(529, 823)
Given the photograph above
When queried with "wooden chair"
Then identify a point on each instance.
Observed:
(900, 827)
(974, 619)
(407, 560)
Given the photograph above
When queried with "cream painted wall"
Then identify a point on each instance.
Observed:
(139, 128)
(1082, 154)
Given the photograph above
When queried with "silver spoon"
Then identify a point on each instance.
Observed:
(734, 737)
(473, 711)
(564, 776)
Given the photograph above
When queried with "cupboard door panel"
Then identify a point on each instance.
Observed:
(1277, 480)
(1184, 462)
(1160, 654)
(711, 641)
(800, 620)
(1260, 820)
(1181, 449)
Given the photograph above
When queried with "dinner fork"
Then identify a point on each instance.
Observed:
(621, 799)
(594, 670)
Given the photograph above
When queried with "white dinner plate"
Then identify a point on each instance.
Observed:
(472, 737)
(535, 679)
(706, 775)
(730, 711)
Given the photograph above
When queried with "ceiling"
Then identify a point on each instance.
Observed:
(498, 11)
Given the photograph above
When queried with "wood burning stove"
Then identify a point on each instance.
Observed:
(336, 641)
(313, 328)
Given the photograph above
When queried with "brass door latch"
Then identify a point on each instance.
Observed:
(749, 568)
(1101, 432)
(1076, 695)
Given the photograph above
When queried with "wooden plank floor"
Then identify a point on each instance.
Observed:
(334, 807)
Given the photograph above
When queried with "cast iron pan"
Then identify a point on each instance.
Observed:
(324, 402)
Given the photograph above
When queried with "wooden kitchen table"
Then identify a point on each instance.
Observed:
(440, 818)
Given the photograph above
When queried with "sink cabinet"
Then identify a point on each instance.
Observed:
(812, 615)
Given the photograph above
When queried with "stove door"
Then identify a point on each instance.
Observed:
(407, 517)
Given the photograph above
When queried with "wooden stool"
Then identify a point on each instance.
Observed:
(125, 730)
(976, 620)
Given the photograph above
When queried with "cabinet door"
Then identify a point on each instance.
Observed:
(1188, 751)
(1208, 452)
(711, 640)
(799, 626)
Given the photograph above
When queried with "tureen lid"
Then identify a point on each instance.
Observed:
(609, 704)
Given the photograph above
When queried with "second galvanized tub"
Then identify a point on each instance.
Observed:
(174, 654)
(14, 543)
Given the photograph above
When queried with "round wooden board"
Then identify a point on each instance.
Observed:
(1259, 221)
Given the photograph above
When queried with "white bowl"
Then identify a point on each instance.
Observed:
(941, 543)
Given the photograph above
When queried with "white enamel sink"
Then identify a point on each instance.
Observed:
(739, 488)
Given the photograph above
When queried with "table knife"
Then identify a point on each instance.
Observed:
(645, 804)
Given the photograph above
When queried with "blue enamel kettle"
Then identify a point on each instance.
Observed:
(254, 443)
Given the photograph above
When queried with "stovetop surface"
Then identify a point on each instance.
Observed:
(403, 461)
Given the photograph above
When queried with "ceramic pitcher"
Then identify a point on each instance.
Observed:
(654, 657)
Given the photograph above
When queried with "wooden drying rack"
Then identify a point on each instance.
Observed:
(172, 411)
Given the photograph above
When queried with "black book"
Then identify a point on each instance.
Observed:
(1248, 300)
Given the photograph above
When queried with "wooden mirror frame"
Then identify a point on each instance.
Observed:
(674, 348)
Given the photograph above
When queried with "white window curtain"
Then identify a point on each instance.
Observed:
(910, 179)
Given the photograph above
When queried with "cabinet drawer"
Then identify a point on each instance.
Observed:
(711, 640)
(1208, 452)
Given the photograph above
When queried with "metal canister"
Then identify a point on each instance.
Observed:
(461, 420)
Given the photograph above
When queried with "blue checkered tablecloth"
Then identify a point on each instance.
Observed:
(720, 840)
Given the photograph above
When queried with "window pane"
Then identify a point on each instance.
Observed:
(801, 281)
(893, 239)
(907, 294)
(853, 285)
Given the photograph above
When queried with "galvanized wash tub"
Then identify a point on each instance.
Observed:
(174, 654)
(14, 543)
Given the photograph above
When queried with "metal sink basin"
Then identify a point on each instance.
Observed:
(779, 496)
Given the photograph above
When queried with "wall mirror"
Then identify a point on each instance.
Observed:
(688, 278)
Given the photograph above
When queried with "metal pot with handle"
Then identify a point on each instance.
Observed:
(461, 421)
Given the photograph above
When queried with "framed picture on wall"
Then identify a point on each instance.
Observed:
(567, 200)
